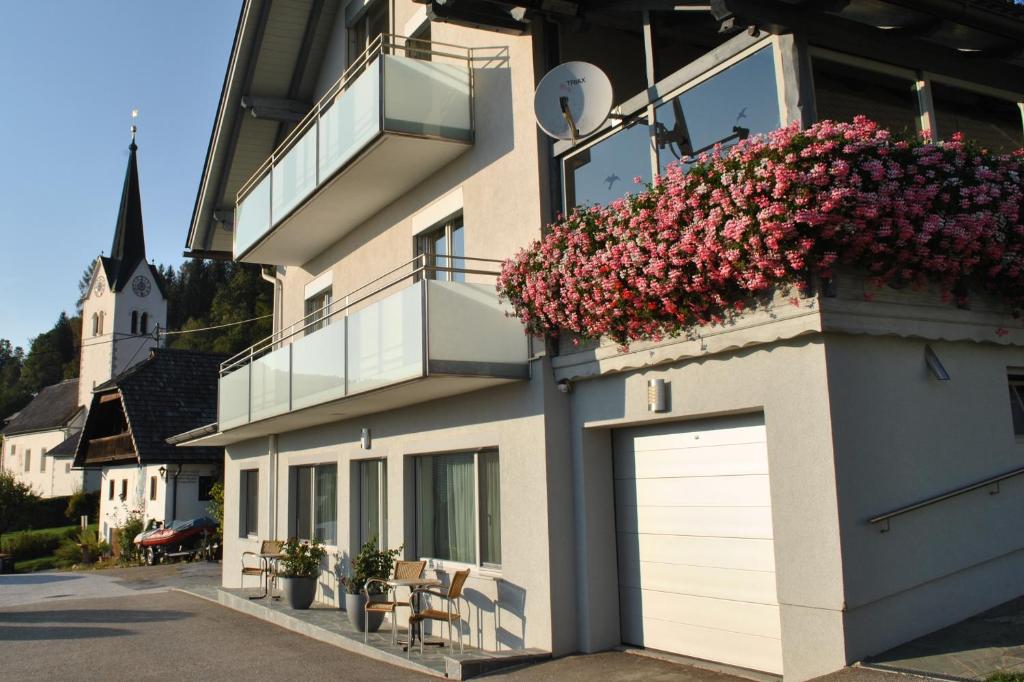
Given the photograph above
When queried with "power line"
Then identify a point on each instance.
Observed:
(218, 326)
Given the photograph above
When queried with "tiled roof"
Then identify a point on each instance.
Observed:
(52, 408)
(66, 447)
(170, 392)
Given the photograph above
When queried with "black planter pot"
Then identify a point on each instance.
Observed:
(298, 592)
(357, 616)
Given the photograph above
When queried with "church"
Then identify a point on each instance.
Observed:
(137, 394)
(107, 429)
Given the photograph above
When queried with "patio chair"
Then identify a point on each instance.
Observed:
(265, 570)
(449, 615)
(404, 570)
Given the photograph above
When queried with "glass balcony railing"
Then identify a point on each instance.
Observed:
(406, 326)
(427, 96)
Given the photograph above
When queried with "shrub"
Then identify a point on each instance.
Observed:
(370, 562)
(301, 559)
(81, 504)
(130, 552)
(85, 547)
(708, 239)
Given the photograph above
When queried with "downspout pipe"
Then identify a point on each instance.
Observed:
(174, 495)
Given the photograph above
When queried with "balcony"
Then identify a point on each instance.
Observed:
(401, 112)
(419, 333)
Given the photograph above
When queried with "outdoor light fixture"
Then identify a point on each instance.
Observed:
(364, 439)
(564, 386)
(163, 472)
(657, 395)
(934, 364)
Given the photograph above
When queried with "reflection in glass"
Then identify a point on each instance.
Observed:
(605, 172)
(842, 91)
(991, 122)
(741, 100)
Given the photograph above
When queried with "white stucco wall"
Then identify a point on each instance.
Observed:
(506, 608)
(114, 512)
(57, 479)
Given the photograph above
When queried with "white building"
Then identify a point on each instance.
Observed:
(735, 521)
(38, 444)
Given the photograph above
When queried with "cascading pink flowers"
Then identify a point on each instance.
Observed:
(775, 211)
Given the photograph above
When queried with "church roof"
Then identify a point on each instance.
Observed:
(129, 247)
(170, 392)
(66, 448)
(52, 408)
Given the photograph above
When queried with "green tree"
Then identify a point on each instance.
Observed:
(16, 502)
(13, 396)
(51, 357)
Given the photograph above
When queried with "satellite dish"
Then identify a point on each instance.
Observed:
(572, 100)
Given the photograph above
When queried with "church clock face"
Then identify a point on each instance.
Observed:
(141, 286)
(99, 287)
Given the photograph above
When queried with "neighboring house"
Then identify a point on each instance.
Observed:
(125, 436)
(38, 443)
(728, 521)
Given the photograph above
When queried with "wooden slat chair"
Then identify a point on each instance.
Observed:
(404, 570)
(449, 615)
(263, 570)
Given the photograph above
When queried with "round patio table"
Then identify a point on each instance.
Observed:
(412, 584)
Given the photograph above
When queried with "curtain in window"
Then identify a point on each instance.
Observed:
(373, 502)
(326, 503)
(446, 507)
(250, 498)
(490, 509)
(303, 507)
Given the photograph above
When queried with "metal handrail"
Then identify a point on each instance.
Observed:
(994, 480)
(420, 267)
(382, 44)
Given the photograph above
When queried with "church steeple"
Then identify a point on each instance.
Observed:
(129, 247)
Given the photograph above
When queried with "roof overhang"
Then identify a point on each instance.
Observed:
(271, 78)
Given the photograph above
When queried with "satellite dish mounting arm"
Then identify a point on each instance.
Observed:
(563, 103)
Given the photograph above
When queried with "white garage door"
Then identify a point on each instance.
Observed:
(694, 521)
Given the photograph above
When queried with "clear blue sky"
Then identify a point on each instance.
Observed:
(71, 72)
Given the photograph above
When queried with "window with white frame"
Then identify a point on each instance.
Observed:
(110, 491)
(315, 509)
(152, 488)
(124, 489)
(458, 507)
(444, 246)
(42, 460)
(67, 467)
(317, 310)
(992, 122)
(28, 459)
(371, 476)
(249, 503)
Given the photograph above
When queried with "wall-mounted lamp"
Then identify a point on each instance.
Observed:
(163, 472)
(364, 439)
(657, 395)
(934, 364)
(564, 386)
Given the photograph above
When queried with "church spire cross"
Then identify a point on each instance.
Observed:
(135, 129)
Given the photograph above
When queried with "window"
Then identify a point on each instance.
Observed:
(144, 324)
(152, 487)
(365, 24)
(372, 478)
(317, 310)
(124, 489)
(842, 91)
(95, 324)
(740, 101)
(205, 484)
(110, 494)
(444, 246)
(316, 503)
(991, 122)
(249, 496)
(450, 489)
(28, 459)
(42, 460)
(135, 322)
(1016, 382)
(67, 467)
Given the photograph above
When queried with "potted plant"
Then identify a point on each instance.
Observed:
(298, 571)
(370, 562)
